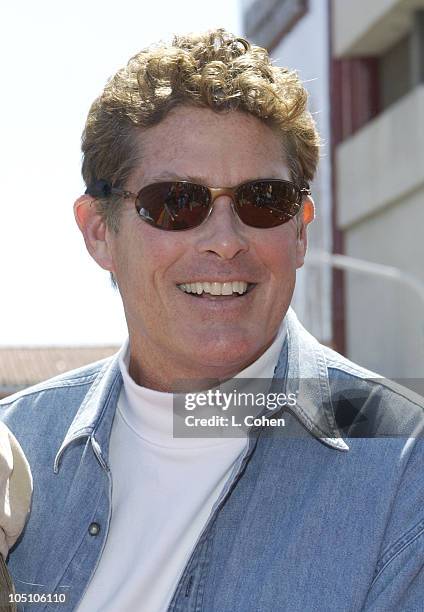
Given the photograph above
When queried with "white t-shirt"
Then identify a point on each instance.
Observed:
(163, 492)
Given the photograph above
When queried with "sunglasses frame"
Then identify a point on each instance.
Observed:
(103, 189)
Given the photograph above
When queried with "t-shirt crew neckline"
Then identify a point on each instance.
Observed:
(149, 413)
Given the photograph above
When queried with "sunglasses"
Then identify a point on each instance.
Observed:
(182, 205)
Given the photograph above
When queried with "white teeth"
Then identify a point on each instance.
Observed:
(214, 288)
(239, 287)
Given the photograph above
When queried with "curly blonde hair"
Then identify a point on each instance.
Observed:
(215, 70)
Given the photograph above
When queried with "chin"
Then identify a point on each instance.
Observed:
(227, 353)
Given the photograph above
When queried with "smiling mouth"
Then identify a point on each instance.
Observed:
(217, 290)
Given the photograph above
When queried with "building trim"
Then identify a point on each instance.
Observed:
(266, 22)
(338, 291)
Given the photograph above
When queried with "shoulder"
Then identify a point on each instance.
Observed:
(58, 397)
(368, 404)
(73, 378)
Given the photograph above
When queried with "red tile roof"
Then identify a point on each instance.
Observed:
(24, 366)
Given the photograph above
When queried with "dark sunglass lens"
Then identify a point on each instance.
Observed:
(173, 206)
(268, 203)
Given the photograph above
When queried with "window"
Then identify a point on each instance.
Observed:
(267, 21)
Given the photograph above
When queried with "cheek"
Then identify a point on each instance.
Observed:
(143, 255)
(160, 250)
(279, 254)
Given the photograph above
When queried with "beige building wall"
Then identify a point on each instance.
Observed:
(364, 27)
(380, 186)
(385, 318)
(383, 161)
(381, 210)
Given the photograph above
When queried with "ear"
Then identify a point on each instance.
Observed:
(307, 215)
(94, 231)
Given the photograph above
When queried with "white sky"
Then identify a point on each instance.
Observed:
(56, 58)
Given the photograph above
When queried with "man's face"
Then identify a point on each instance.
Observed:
(174, 334)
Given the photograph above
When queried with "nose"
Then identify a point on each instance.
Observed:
(223, 233)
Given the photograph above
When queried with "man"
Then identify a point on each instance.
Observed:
(197, 159)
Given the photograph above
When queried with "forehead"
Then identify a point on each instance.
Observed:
(222, 149)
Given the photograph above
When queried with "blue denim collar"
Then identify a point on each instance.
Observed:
(307, 376)
(95, 416)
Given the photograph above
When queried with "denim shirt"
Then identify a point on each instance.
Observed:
(325, 514)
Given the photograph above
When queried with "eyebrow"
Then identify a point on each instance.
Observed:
(173, 176)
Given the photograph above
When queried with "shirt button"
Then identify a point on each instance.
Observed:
(94, 529)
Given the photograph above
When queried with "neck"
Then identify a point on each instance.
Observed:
(169, 374)
(182, 381)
